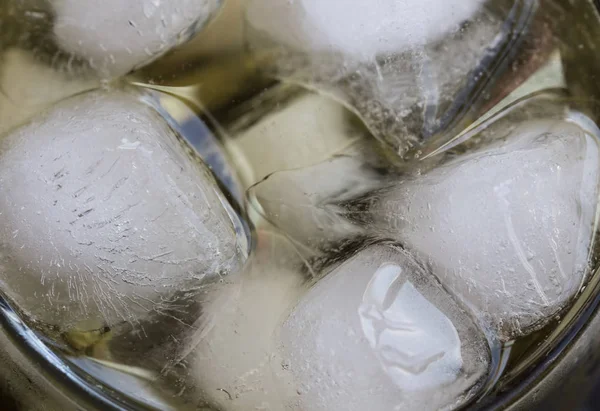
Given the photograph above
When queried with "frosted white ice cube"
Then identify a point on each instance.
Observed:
(379, 333)
(508, 228)
(117, 36)
(358, 28)
(104, 216)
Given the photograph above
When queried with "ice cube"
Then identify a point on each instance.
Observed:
(507, 228)
(305, 203)
(118, 36)
(410, 69)
(304, 129)
(229, 366)
(105, 217)
(379, 333)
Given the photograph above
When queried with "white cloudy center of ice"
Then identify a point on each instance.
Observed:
(361, 28)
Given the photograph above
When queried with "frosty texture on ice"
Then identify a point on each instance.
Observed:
(379, 333)
(104, 216)
(362, 29)
(507, 227)
(116, 36)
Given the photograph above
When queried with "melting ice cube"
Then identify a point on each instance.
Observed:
(304, 202)
(508, 228)
(105, 217)
(118, 36)
(380, 333)
(410, 69)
